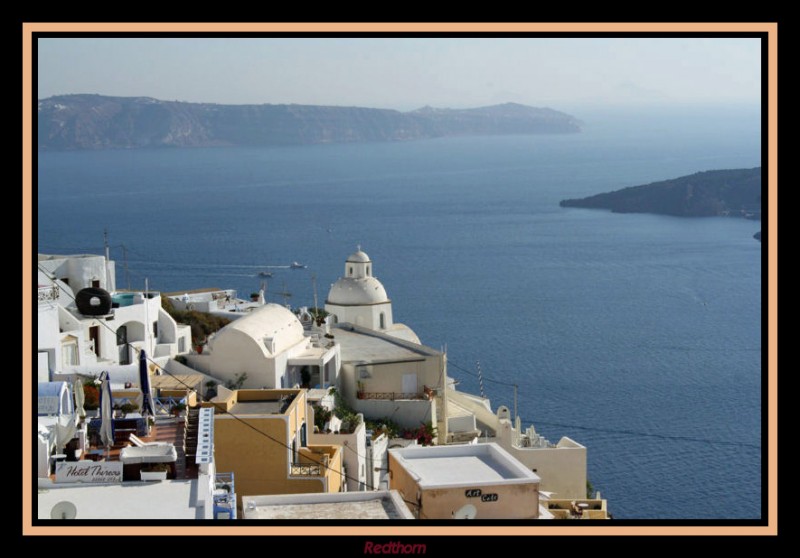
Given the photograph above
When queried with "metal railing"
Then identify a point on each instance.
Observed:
(390, 396)
(48, 293)
(224, 496)
(311, 469)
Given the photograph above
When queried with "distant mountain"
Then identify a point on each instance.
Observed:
(100, 122)
(719, 192)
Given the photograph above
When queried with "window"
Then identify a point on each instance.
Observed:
(155, 330)
(367, 270)
(383, 320)
(69, 353)
(182, 345)
(351, 270)
(96, 283)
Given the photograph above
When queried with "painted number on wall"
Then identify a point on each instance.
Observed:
(489, 498)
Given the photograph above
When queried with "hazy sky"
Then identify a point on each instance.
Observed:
(407, 73)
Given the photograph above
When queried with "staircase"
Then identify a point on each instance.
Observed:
(190, 434)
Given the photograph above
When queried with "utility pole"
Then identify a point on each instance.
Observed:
(108, 257)
(125, 263)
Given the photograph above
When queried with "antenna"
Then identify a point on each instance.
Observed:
(286, 294)
(465, 512)
(64, 510)
(108, 257)
(125, 260)
(314, 285)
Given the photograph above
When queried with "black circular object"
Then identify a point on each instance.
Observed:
(93, 301)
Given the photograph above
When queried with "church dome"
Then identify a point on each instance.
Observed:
(358, 257)
(350, 291)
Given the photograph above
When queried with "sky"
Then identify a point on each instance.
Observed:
(408, 73)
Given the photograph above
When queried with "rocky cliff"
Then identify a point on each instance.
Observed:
(100, 122)
(719, 192)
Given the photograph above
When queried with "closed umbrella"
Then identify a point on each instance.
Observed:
(144, 384)
(106, 412)
(79, 398)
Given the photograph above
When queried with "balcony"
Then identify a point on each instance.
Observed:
(314, 461)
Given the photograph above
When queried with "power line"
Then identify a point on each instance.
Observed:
(625, 432)
(646, 434)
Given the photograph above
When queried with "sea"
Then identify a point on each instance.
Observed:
(638, 336)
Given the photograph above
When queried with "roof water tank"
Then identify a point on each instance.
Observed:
(93, 301)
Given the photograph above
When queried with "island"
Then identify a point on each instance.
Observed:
(732, 192)
(84, 121)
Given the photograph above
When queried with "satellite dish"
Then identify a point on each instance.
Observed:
(466, 512)
(63, 510)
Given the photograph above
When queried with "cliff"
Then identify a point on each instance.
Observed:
(100, 122)
(711, 193)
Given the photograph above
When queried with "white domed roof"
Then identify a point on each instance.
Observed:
(358, 257)
(351, 291)
(270, 321)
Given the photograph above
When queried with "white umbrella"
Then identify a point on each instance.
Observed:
(79, 398)
(106, 412)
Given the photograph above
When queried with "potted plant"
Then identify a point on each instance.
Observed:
(154, 471)
(128, 408)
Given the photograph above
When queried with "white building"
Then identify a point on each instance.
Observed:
(70, 338)
(384, 376)
(270, 346)
(561, 466)
(219, 302)
(358, 298)
(354, 456)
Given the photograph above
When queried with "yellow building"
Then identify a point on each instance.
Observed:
(261, 435)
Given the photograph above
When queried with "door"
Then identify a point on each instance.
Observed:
(94, 337)
(44, 366)
(409, 383)
(122, 345)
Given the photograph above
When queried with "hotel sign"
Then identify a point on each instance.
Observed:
(89, 471)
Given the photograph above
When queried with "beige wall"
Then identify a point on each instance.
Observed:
(562, 469)
(259, 456)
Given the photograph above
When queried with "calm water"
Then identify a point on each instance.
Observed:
(637, 335)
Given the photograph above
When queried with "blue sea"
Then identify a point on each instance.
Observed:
(637, 335)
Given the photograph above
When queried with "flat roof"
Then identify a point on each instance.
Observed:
(196, 291)
(173, 499)
(258, 407)
(343, 505)
(462, 465)
(370, 346)
(176, 381)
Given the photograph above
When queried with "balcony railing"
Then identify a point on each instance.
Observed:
(48, 293)
(311, 469)
(391, 396)
(224, 496)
